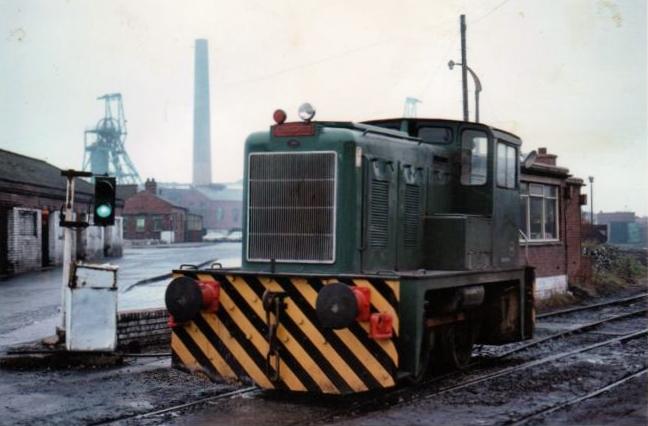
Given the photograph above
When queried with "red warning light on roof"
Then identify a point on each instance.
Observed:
(279, 116)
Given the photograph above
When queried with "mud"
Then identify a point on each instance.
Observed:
(512, 397)
(91, 395)
(86, 395)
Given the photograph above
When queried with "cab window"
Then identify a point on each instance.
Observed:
(474, 157)
(435, 134)
(506, 165)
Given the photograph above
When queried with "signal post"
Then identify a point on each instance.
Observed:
(88, 292)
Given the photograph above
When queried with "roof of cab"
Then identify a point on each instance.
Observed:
(444, 120)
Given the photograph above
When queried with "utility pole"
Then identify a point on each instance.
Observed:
(591, 180)
(68, 234)
(464, 68)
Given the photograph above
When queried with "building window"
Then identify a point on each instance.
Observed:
(157, 223)
(28, 223)
(235, 215)
(539, 211)
(506, 165)
(219, 214)
(140, 224)
(474, 157)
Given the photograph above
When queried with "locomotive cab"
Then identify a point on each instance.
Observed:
(370, 251)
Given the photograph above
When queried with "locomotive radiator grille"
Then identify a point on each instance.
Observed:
(232, 343)
(291, 210)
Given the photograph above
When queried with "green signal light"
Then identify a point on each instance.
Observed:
(103, 211)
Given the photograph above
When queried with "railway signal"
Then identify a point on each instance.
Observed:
(83, 307)
(104, 208)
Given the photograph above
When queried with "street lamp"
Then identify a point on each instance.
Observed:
(591, 180)
(478, 86)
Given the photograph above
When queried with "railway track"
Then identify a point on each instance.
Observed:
(619, 301)
(576, 330)
(178, 407)
(541, 413)
(510, 370)
(491, 376)
(534, 363)
(362, 405)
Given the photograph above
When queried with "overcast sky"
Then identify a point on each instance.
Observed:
(567, 75)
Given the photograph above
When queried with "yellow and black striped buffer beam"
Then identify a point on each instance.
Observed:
(234, 343)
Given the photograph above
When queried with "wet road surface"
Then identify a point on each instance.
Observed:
(29, 302)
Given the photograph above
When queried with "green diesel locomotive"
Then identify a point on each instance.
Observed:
(370, 252)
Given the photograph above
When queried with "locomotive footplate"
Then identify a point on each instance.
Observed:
(266, 331)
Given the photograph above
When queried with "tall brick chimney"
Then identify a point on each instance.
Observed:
(201, 132)
(545, 158)
(150, 186)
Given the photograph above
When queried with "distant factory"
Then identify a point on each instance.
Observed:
(156, 212)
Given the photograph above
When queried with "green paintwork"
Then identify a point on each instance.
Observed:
(454, 221)
(400, 159)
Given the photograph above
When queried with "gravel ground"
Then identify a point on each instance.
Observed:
(82, 396)
(514, 396)
(626, 405)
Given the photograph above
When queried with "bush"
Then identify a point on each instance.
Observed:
(628, 268)
(612, 268)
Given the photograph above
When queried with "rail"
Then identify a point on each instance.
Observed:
(438, 379)
(549, 410)
(225, 395)
(593, 306)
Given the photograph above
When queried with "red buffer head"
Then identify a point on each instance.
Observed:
(186, 297)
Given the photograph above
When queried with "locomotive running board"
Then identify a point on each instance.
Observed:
(232, 344)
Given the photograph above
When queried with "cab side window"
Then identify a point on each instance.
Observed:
(474, 157)
(506, 165)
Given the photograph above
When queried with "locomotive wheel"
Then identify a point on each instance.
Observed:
(457, 345)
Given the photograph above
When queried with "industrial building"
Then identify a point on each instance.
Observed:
(147, 216)
(623, 228)
(550, 210)
(32, 193)
(220, 205)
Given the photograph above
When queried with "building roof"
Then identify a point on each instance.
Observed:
(226, 193)
(19, 168)
(146, 203)
(214, 192)
(545, 169)
(607, 217)
(543, 164)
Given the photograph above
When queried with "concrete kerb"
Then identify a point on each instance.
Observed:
(38, 356)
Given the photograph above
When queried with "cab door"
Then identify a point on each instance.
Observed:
(506, 210)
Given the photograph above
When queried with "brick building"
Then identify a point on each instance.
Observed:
(148, 216)
(550, 210)
(220, 205)
(31, 195)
